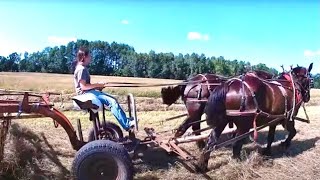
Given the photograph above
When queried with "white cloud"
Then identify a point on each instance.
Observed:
(309, 53)
(197, 36)
(8, 46)
(54, 40)
(125, 22)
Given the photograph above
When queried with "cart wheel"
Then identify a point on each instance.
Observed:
(102, 160)
(109, 131)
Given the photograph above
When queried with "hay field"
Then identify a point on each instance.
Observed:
(63, 83)
(36, 150)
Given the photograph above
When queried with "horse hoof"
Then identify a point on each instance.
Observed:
(201, 168)
(178, 134)
(266, 152)
(201, 144)
(285, 144)
(236, 157)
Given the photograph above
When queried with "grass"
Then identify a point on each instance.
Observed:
(36, 150)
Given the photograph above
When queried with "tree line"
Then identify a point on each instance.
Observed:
(118, 59)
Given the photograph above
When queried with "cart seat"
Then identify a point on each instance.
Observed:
(86, 102)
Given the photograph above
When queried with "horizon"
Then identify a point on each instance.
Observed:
(274, 33)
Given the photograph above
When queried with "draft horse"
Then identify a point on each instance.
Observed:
(194, 92)
(250, 101)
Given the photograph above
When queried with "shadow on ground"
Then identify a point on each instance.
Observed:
(31, 157)
(155, 159)
(297, 146)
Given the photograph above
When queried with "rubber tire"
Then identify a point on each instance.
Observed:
(116, 130)
(99, 152)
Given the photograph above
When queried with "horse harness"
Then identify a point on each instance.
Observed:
(258, 111)
(204, 82)
(200, 90)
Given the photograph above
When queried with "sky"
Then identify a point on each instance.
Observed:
(274, 32)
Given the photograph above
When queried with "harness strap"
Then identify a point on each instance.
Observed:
(253, 96)
(294, 98)
(187, 90)
(206, 81)
(284, 94)
(207, 84)
(243, 96)
(255, 131)
(242, 108)
(305, 112)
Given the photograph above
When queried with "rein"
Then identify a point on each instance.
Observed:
(158, 85)
(294, 98)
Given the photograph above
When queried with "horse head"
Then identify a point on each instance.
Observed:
(170, 94)
(302, 80)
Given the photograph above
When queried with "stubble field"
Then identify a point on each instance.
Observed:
(36, 150)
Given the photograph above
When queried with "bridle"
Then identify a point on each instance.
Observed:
(297, 80)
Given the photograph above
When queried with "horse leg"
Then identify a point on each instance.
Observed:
(202, 164)
(194, 114)
(200, 143)
(237, 146)
(196, 127)
(292, 132)
(183, 127)
(267, 150)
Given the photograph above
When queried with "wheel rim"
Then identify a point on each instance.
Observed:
(108, 133)
(103, 169)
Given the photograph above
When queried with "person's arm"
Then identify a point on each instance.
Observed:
(84, 86)
(83, 76)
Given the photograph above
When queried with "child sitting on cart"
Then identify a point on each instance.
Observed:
(83, 86)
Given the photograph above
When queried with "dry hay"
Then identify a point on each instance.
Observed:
(36, 150)
(4, 126)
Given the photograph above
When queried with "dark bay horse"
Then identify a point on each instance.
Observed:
(252, 100)
(195, 92)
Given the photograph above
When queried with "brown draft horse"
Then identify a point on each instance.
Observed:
(253, 99)
(194, 92)
(196, 88)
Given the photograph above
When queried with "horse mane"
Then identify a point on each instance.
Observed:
(216, 104)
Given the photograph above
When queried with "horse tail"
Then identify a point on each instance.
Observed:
(216, 107)
(171, 94)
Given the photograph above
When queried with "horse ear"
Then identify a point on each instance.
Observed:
(310, 67)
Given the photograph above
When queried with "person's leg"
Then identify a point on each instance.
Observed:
(115, 108)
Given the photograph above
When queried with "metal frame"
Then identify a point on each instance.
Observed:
(133, 110)
(43, 108)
